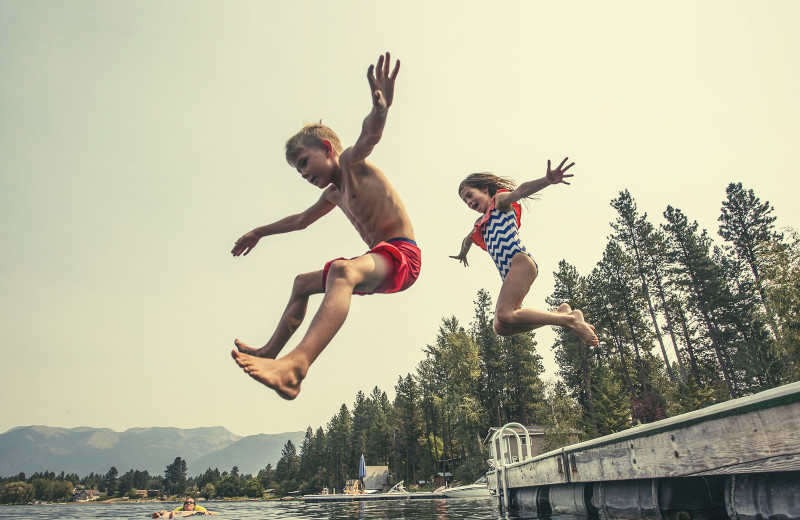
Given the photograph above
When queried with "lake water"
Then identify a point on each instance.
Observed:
(422, 509)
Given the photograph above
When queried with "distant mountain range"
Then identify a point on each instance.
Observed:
(32, 449)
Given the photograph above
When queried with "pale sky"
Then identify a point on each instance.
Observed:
(139, 139)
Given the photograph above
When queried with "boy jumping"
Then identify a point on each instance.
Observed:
(371, 203)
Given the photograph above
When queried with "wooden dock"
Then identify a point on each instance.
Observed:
(741, 448)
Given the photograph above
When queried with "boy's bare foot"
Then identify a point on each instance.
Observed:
(584, 331)
(281, 375)
(258, 352)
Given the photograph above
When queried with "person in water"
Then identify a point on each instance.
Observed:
(497, 231)
(188, 508)
(372, 205)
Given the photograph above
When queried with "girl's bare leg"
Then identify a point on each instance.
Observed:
(304, 286)
(365, 273)
(511, 319)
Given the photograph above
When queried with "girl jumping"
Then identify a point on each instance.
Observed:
(497, 232)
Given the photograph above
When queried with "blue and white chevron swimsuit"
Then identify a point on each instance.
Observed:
(501, 236)
(500, 231)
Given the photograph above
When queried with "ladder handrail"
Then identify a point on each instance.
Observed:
(499, 434)
(500, 464)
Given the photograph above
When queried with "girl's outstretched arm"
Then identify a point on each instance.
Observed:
(526, 189)
(465, 245)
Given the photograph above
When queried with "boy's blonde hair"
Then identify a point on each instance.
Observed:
(311, 135)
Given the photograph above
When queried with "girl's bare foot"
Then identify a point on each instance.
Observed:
(564, 308)
(258, 352)
(281, 375)
(584, 331)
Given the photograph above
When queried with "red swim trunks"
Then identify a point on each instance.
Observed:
(407, 260)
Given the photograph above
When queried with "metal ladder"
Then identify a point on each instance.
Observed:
(499, 463)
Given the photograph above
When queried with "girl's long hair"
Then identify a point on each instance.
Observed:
(489, 180)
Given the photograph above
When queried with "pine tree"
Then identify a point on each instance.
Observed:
(780, 271)
(617, 268)
(559, 415)
(337, 444)
(753, 354)
(619, 283)
(491, 362)
(379, 431)
(610, 403)
(574, 357)
(175, 477)
(749, 228)
(362, 412)
(110, 480)
(636, 234)
(287, 470)
(613, 339)
(455, 362)
(408, 428)
(430, 404)
(674, 304)
(307, 468)
(524, 387)
(701, 279)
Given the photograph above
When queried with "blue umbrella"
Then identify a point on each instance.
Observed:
(362, 469)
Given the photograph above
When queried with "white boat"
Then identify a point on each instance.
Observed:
(479, 488)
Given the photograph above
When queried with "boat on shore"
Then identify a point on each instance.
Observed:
(479, 488)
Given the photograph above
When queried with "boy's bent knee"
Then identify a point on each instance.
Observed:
(307, 284)
(345, 271)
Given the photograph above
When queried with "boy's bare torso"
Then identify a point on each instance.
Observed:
(370, 202)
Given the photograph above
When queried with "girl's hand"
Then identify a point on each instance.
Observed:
(462, 256)
(462, 259)
(558, 175)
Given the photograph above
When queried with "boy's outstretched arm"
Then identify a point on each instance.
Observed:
(381, 84)
(248, 241)
(526, 189)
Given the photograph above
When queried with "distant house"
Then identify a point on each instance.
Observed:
(85, 495)
(442, 479)
(509, 444)
(148, 493)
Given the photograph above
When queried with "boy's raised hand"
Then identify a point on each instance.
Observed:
(381, 83)
(558, 175)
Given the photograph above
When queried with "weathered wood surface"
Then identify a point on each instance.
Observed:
(758, 433)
